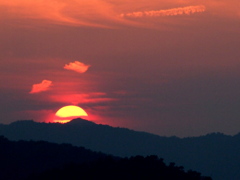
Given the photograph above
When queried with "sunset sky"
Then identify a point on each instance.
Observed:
(169, 67)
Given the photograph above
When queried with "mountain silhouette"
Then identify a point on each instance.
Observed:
(27, 160)
(215, 155)
(21, 159)
(138, 167)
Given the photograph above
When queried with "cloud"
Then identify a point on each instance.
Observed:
(64, 12)
(168, 12)
(77, 66)
(104, 13)
(89, 98)
(43, 86)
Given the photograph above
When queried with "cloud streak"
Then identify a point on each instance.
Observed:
(90, 98)
(64, 12)
(104, 13)
(77, 67)
(188, 10)
(43, 86)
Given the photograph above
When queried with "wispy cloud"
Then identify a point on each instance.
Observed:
(104, 13)
(66, 12)
(77, 66)
(43, 86)
(89, 98)
(168, 12)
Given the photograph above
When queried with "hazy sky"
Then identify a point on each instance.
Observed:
(169, 67)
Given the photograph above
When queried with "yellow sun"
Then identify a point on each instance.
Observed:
(67, 113)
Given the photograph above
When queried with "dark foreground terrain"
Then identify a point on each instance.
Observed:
(28, 160)
(216, 155)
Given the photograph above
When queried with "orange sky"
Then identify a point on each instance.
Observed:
(107, 13)
(166, 67)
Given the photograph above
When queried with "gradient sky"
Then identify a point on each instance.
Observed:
(165, 67)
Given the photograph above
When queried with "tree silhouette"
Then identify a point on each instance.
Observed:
(138, 167)
(27, 160)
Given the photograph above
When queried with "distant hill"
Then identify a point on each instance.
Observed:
(28, 160)
(215, 155)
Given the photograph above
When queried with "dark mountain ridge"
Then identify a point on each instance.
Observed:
(215, 155)
(38, 160)
(19, 159)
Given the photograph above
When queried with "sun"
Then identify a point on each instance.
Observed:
(67, 113)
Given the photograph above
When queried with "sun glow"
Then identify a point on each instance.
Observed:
(67, 113)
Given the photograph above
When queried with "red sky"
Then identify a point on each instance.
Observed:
(165, 67)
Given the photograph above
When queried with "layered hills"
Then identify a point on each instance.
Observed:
(215, 155)
(38, 160)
